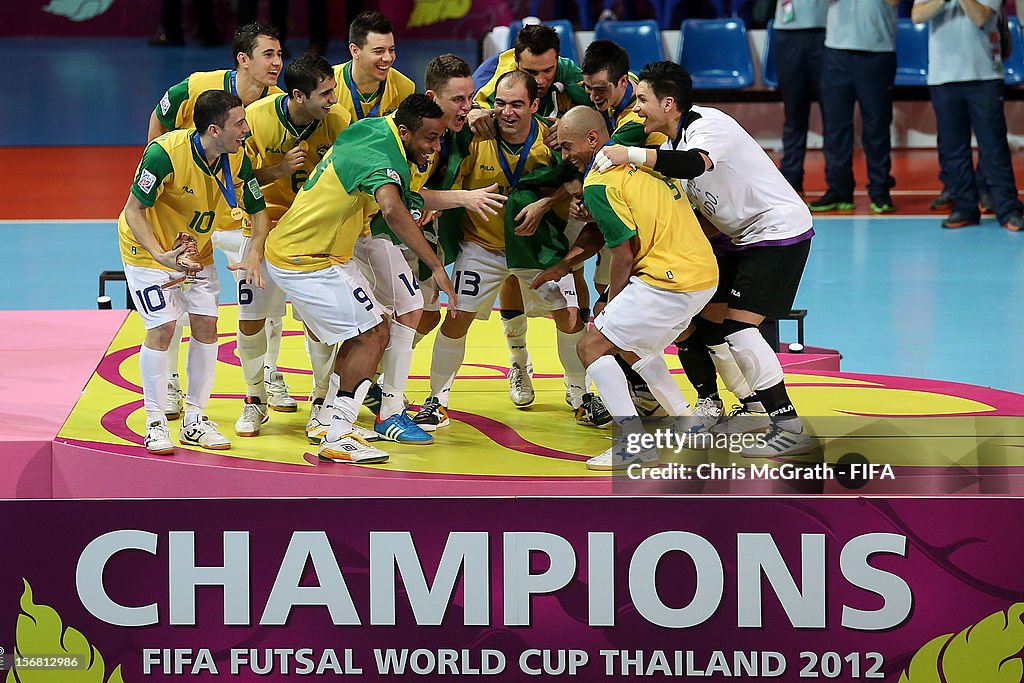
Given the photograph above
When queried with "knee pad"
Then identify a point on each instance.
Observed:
(758, 363)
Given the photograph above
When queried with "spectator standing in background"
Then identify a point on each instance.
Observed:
(859, 66)
(965, 76)
(799, 47)
(171, 33)
(316, 11)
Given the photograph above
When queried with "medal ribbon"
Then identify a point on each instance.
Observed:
(228, 187)
(514, 176)
(354, 93)
(608, 120)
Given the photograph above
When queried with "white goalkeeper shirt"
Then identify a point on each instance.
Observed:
(744, 194)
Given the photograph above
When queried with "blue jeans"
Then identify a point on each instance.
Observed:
(850, 77)
(798, 64)
(977, 105)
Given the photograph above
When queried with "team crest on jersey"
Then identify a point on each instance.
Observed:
(146, 181)
(165, 103)
(322, 150)
(254, 188)
(393, 174)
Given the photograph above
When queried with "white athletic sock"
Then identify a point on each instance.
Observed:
(755, 358)
(273, 329)
(611, 383)
(729, 371)
(153, 369)
(251, 351)
(655, 372)
(515, 337)
(175, 348)
(321, 359)
(346, 408)
(575, 373)
(397, 361)
(445, 362)
(199, 368)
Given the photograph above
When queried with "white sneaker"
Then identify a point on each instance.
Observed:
(520, 385)
(175, 398)
(278, 397)
(320, 421)
(158, 439)
(708, 412)
(742, 421)
(351, 448)
(254, 414)
(616, 458)
(316, 429)
(780, 442)
(203, 433)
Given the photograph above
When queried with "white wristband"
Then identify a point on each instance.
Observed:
(637, 155)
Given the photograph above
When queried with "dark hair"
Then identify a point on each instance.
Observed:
(212, 107)
(246, 37)
(444, 68)
(566, 173)
(414, 109)
(668, 79)
(604, 55)
(532, 89)
(538, 39)
(305, 73)
(365, 23)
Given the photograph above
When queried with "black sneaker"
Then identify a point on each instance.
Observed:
(1014, 223)
(431, 416)
(941, 203)
(882, 203)
(959, 220)
(832, 202)
(592, 412)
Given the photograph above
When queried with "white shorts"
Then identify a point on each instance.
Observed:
(645, 319)
(428, 290)
(159, 306)
(478, 276)
(229, 242)
(336, 303)
(603, 269)
(255, 303)
(384, 266)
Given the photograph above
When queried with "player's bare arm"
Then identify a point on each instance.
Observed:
(485, 201)
(402, 224)
(135, 215)
(251, 263)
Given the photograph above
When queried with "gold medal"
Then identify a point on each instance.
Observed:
(237, 214)
(303, 145)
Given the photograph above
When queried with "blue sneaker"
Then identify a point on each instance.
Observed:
(373, 399)
(401, 429)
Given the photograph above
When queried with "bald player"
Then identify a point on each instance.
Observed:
(662, 274)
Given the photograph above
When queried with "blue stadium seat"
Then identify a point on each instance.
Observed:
(769, 75)
(911, 53)
(1013, 68)
(716, 53)
(641, 39)
(561, 26)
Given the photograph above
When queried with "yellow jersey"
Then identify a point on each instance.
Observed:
(672, 252)
(182, 193)
(177, 107)
(625, 126)
(495, 161)
(381, 102)
(332, 208)
(273, 135)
